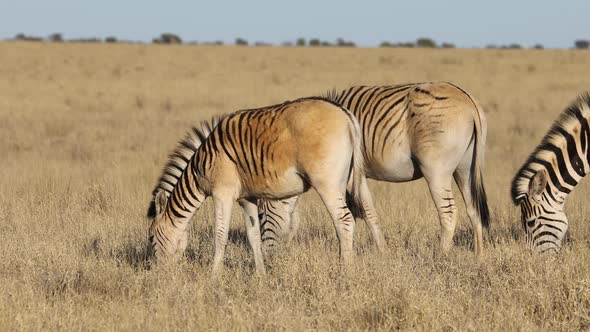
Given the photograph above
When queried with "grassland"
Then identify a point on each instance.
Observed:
(85, 130)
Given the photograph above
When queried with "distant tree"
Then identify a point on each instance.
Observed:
(55, 37)
(110, 39)
(85, 40)
(300, 42)
(425, 42)
(287, 44)
(241, 42)
(22, 36)
(326, 43)
(314, 42)
(514, 46)
(344, 43)
(386, 44)
(404, 44)
(582, 44)
(167, 38)
(260, 43)
(170, 38)
(492, 46)
(447, 45)
(538, 47)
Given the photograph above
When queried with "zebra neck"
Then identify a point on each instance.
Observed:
(555, 198)
(186, 197)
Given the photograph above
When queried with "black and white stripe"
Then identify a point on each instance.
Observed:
(549, 175)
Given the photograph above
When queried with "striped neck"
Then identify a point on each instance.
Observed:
(562, 154)
(192, 188)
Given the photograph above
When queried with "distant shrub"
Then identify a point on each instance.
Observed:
(425, 42)
(300, 42)
(314, 42)
(514, 46)
(241, 42)
(447, 45)
(403, 44)
(538, 47)
(492, 46)
(85, 40)
(582, 44)
(110, 39)
(55, 37)
(344, 43)
(326, 43)
(259, 43)
(22, 36)
(167, 38)
(390, 44)
(287, 44)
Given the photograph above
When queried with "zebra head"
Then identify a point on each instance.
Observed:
(164, 241)
(543, 218)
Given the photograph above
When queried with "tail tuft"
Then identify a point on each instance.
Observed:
(481, 202)
(354, 198)
(478, 192)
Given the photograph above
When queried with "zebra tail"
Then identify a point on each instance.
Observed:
(478, 192)
(354, 199)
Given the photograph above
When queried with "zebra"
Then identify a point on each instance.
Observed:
(433, 130)
(551, 172)
(273, 152)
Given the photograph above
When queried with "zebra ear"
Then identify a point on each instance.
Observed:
(160, 201)
(538, 183)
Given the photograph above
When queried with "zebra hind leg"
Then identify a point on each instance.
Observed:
(442, 195)
(462, 178)
(343, 221)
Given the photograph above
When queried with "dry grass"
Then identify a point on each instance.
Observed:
(85, 129)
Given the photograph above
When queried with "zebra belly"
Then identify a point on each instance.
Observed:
(399, 169)
(289, 184)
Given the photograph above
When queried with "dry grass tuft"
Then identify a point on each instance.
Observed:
(85, 130)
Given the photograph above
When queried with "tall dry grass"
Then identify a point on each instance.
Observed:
(85, 129)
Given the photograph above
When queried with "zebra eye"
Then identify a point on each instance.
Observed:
(531, 223)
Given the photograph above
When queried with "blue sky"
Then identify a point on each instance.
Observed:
(368, 23)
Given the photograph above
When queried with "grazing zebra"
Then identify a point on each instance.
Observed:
(274, 152)
(543, 183)
(431, 130)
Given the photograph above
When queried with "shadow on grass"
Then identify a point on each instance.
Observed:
(200, 250)
(133, 252)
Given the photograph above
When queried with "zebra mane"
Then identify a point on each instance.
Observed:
(180, 157)
(331, 95)
(566, 122)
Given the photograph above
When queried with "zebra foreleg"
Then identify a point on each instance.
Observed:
(253, 230)
(223, 207)
(291, 205)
